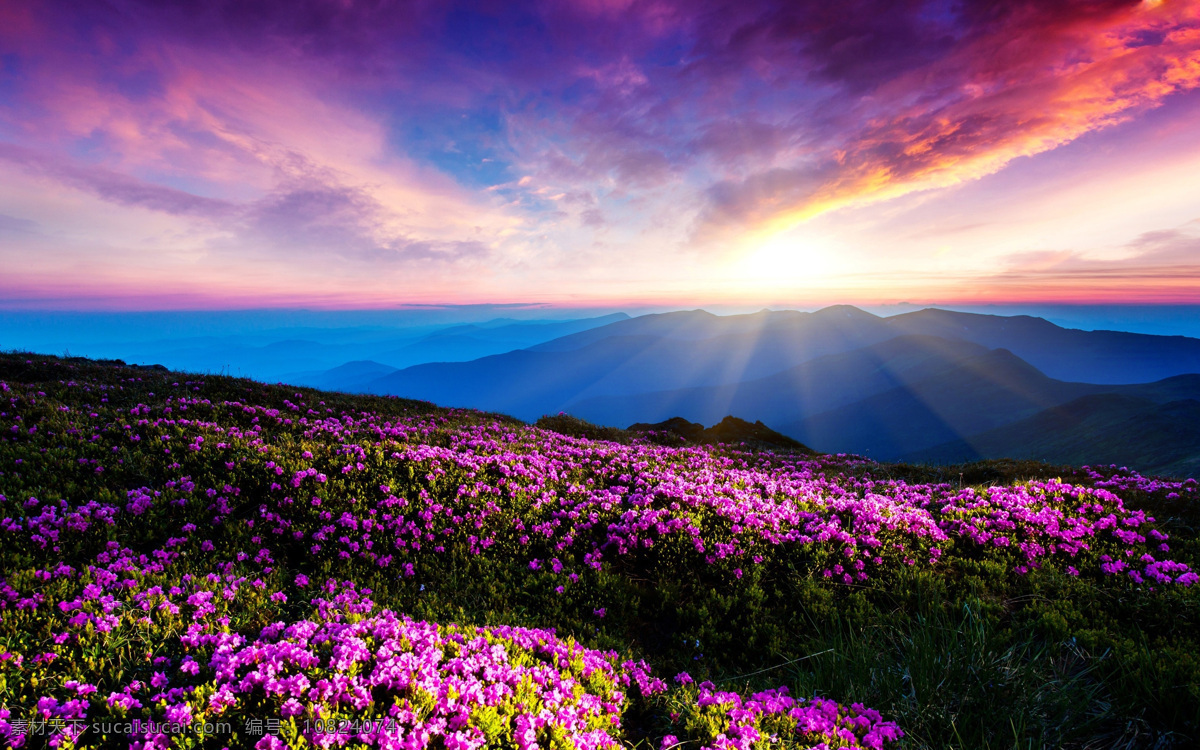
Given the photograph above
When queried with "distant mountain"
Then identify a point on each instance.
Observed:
(983, 394)
(528, 384)
(809, 388)
(1101, 429)
(548, 378)
(989, 393)
(836, 328)
(645, 368)
(839, 379)
(613, 373)
(302, 354)
(352, 377)
(467, 342)
(311, 363)
(978, 394)
(1111, 357)
(290, 354)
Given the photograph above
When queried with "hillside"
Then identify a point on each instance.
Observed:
(1107, 428)
(639, 355)
(269, 561)
(978, 394)
(809, 388)
(1106, 357)
(532, 382)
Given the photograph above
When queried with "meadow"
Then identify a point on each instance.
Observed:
(204, 561)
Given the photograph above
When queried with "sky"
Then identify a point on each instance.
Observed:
(336, 154)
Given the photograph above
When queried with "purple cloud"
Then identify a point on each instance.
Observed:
(116, 187)
(16, 225)
(337, 221)
(538, 134)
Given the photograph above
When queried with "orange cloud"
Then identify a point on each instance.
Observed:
(1006, 94)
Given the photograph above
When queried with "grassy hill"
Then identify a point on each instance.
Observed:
(293, 568)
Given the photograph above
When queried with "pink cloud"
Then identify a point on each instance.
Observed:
(1022, 86)
(317, 147)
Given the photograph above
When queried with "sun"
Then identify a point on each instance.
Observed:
(788, 259)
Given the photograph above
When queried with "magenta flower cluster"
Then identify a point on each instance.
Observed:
(388, 681)
(725, 720)
(591, 501)
(225, 489)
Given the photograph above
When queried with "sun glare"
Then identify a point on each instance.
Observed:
(787, 259)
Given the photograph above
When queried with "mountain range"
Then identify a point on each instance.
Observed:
(931, 385)
(304, 354)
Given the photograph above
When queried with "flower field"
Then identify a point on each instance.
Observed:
(202, 561)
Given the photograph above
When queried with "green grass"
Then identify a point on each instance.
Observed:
(968, 656)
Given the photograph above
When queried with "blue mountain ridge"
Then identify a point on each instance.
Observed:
(839, 379)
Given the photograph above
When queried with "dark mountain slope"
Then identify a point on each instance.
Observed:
(1111, 357)
(811, 387)
(985, 392)
(1101, 429)
(814, 374)
(729, 431)
(533, 382)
